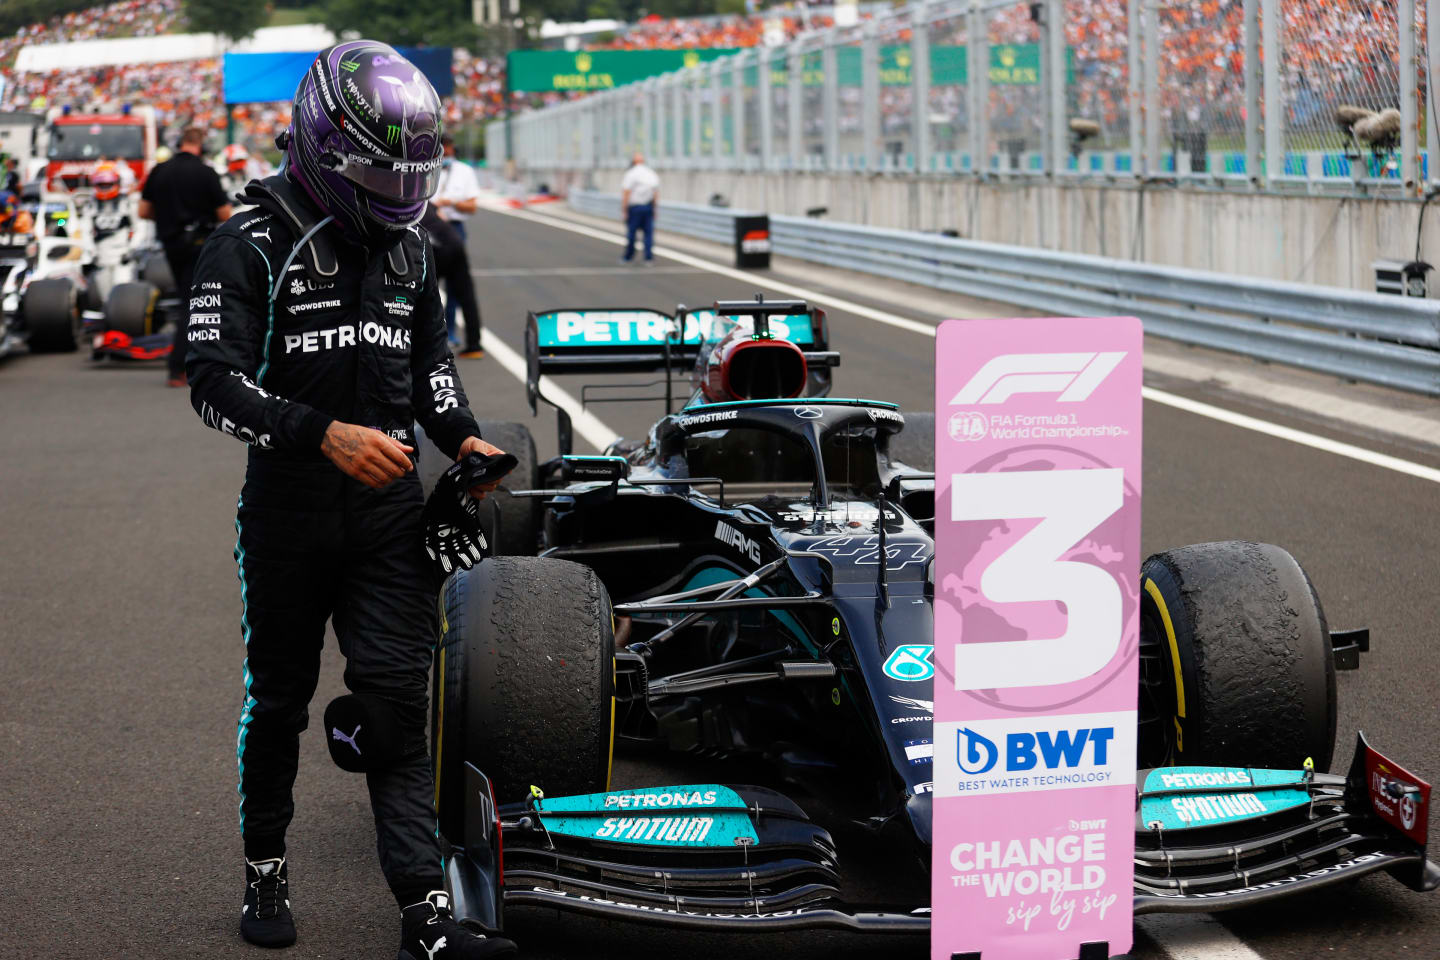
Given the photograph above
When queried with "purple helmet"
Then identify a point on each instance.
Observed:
(365, 137)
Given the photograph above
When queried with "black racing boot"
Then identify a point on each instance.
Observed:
(265, 918)
(429, 932)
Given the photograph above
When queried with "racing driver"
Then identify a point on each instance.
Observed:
(318, 338)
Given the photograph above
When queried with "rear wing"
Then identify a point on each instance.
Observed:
(616, 340)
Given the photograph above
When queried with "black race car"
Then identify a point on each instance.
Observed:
(748, 592)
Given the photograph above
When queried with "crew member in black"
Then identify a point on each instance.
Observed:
(185, 199)
(453, 265)
(317, 336)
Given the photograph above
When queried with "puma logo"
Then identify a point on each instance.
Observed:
(335, 734)
(261, 233)
(431, 951)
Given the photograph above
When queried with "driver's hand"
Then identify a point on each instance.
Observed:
(476, 445)
(373, 458)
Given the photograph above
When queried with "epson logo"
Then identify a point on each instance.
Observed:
(206, 301)
(1074, 376)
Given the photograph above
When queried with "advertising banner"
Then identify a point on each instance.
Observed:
(1037, 529)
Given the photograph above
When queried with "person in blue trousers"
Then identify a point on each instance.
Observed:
(639, 196)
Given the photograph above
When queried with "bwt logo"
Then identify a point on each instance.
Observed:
(1044, 749)
(1072, 375)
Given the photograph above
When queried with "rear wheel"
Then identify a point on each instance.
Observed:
(1237, 668)
(524, 682)
(130, 309)
(52, 315)
(515, 531)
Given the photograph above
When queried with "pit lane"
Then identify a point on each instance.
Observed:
(120, 648)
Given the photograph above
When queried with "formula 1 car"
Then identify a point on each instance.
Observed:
(747, 595)
(46, 264)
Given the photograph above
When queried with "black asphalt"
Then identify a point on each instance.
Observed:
(120, 647)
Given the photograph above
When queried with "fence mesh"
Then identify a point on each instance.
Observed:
(1097, 33)
(851, 139)
(813, 114)
(1202, 81)
(948, 111)
(1016, 103)
(1337, 53)
(897, 94)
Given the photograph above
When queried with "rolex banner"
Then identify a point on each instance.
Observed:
(1036, 632)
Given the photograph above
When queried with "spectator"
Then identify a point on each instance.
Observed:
(457, 198)
(639, 196)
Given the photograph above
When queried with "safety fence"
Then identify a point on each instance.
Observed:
(1162, 90)
(1377, 338)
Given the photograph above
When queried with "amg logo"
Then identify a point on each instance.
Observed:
(656, 829)
(728, 535)
(1072, 375)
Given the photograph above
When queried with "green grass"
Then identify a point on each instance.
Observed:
(294, 15)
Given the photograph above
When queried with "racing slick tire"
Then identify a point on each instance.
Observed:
(915, 445)
(1236, 657)
(130, 309)
(518, 525)
(52, 315)
(524, 682)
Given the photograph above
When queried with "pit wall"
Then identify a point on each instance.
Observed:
(1297, 238)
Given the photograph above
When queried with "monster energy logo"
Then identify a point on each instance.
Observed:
(349, 66)
(392, 134)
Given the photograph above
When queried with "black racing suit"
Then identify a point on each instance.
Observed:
(359, 336)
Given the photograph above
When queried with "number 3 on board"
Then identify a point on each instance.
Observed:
(1070, 503)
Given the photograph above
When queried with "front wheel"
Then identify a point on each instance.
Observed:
(524, 682)
(1237, 667)
(52, 315)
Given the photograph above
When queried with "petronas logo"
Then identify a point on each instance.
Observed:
(392, 134)
(349, 66)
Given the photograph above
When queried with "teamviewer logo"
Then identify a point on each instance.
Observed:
(1074, 376)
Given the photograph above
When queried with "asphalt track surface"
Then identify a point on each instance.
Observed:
(120, 646)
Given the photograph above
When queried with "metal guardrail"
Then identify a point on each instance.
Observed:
(716, 224)
(1377, 338)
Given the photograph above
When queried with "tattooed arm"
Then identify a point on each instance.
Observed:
(368, 455)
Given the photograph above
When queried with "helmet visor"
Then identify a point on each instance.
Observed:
(405, 181)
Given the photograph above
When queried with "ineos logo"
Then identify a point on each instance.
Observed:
(1072, 375)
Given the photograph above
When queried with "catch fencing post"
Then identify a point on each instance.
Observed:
(830, 101)
(920, 85)
(1409, 115)
(693, 90)
(1151, 29)
(717, 122)
(1274, 100)
(869, 97)
(1253, 79)
(795, 107)
(1136, 83)
(1432, 122)
(1053, 75)
(767, 108)
(978, 42)
(737, 108)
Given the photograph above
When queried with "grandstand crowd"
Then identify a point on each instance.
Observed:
(1333, 48)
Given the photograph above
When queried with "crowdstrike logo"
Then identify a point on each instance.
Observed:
(1074, 376)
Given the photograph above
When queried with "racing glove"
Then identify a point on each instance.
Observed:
(453, 536)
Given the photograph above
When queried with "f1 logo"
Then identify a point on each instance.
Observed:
(1072, 375)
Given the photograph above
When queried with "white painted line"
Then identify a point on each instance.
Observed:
(1240, 420)
(627, 269)
(804, 293)
(1294, 436)
(1194, 936)
(586, 423)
